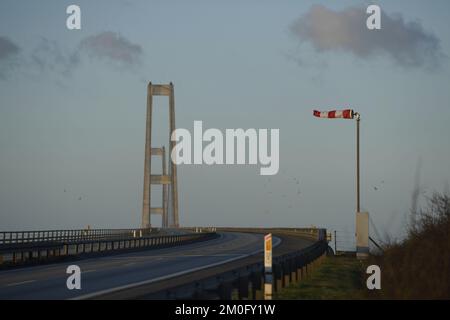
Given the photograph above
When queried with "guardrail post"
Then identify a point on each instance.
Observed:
(305, 271)
(293, 270)
(286, 274)
(278, 277)
(299, 269)
(225, 291)
(242, 284)
(256, 283)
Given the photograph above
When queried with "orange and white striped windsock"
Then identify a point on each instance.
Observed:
(343, 114)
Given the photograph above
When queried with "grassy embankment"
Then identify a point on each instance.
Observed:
(338, 277)
(418, 267)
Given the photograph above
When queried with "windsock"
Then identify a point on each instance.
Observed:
(343, 114)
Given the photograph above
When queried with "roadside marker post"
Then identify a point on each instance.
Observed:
(268, 277)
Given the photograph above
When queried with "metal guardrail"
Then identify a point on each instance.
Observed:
(248, 282)
(20, 253)
(245, 281)
(14, 237)
(313, 233)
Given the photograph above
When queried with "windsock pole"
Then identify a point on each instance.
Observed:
(362, 218)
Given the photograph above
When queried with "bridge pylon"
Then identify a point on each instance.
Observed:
(168, 180)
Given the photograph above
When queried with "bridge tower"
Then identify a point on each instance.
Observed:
(168, 180)
(163, 211)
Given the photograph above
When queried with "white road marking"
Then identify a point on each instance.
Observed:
(129, 264)
(19, 283)
(207, 255)
(191, 255)
(276, 242)
(87, 271)
(140, 255)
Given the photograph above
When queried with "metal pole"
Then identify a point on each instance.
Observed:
(357, 162)
(165, 215)
(147, 162)
(173, 167)
(335, 243)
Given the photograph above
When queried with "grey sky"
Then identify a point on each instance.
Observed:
(72, 111)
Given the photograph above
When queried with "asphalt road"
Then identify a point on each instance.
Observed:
(105, 274)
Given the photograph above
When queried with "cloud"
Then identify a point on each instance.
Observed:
(7, 48)
(48, 55)
(9, 52)
(112, 46)
(407, 43)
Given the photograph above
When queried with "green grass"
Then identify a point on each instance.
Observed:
(335, 278)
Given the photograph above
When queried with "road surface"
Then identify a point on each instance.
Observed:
(104, 274)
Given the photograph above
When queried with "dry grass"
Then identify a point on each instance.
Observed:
(419, 266)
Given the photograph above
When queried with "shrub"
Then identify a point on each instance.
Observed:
(419, 266)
